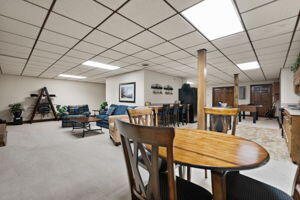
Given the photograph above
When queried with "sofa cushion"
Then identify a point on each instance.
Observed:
(121, 110)
(104, 117)
(84, 109)
(110, 111)
(73, 110)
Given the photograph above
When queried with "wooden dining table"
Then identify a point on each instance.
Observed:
(218, 152)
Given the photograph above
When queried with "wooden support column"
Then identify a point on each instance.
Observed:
(236, 91)
(201, 88)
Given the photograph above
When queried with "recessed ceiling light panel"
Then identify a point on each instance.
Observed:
(71, 76)
(248, 65)
(214, 18)
(100, 65)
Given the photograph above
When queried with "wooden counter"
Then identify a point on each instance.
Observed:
(291, 129)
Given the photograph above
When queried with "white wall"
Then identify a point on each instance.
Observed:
(17, 89)
(112, 87)
(153, 78)
(287, 94)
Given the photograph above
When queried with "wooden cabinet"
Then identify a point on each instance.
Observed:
(3, 134)
(291, 128)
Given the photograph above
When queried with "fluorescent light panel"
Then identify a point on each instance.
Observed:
(71, 76)
(189, 82)
(248, 65)
(100, 65)
(214, 18)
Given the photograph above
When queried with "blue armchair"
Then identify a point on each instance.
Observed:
(119, 110)
(76, 111)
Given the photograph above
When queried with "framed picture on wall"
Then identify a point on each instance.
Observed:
(127, 92)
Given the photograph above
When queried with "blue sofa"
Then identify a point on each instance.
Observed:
(76, 111)
(119, 110)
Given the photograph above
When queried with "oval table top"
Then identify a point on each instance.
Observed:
(214, 150)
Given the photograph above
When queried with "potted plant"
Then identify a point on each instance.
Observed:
(61, 110)
(103, 105)
(296, 65)
(16, 109)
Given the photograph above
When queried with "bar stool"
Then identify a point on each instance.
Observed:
(165, 115)
(175, 115)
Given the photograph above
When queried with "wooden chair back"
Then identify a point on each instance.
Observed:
(296, 195)
(222, 116)
(147, 103)
(155, 138)
(143, 116)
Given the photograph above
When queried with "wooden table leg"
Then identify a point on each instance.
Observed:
(254, 117)
(240, 116)
(244, 114)
(156, 116)
(218, 180)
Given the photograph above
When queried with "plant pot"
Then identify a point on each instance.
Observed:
(17, 114)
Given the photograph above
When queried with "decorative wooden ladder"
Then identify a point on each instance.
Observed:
(43, 92)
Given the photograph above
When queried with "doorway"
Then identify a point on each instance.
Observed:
(223, 94)
(261, 95)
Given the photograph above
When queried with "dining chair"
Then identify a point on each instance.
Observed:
(158, 186)
(220, 119)
(175, 115)
(241, 187)
(165, 115)
(143, 116)
(183, 114)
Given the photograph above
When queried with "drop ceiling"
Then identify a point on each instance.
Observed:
(47, 38)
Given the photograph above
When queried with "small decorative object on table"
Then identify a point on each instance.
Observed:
(17, 109)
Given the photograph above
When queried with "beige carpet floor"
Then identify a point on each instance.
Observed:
(44, 161)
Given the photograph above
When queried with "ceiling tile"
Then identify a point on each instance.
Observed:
(102, 59)
(17, 27)
(116, 23)
(127, 48)
(231, 40)
(44, 3)
(119, 64)
(247, 5)
(72, 60)
(237, 49)
(50, 47)
(102, 39)
(23, 11)
(15, 39)
(141, 11)
(273, 49)
(86, 11)
(189, 40)
(131, 60)
(66, 26)
(187, 60)
(45, 60)
(146, 39)
(271, 13)
(113, 54)
(173, 27)
(146, 55)
(172, 64)
(89, 48)
(160, 60)
(243, 57)
(278, 28)
(58, 39)
(79, 54)
(14, 50)
(182, 5)
(45, 54)
(112, 4)
(272, 41)
(164, 48)
(178, 55)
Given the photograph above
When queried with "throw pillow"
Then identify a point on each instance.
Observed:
(110, 111)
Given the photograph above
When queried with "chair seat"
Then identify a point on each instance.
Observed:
(240, 187)
(186, 190)
(162, 163)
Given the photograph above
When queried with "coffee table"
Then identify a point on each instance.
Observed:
(85, 124)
